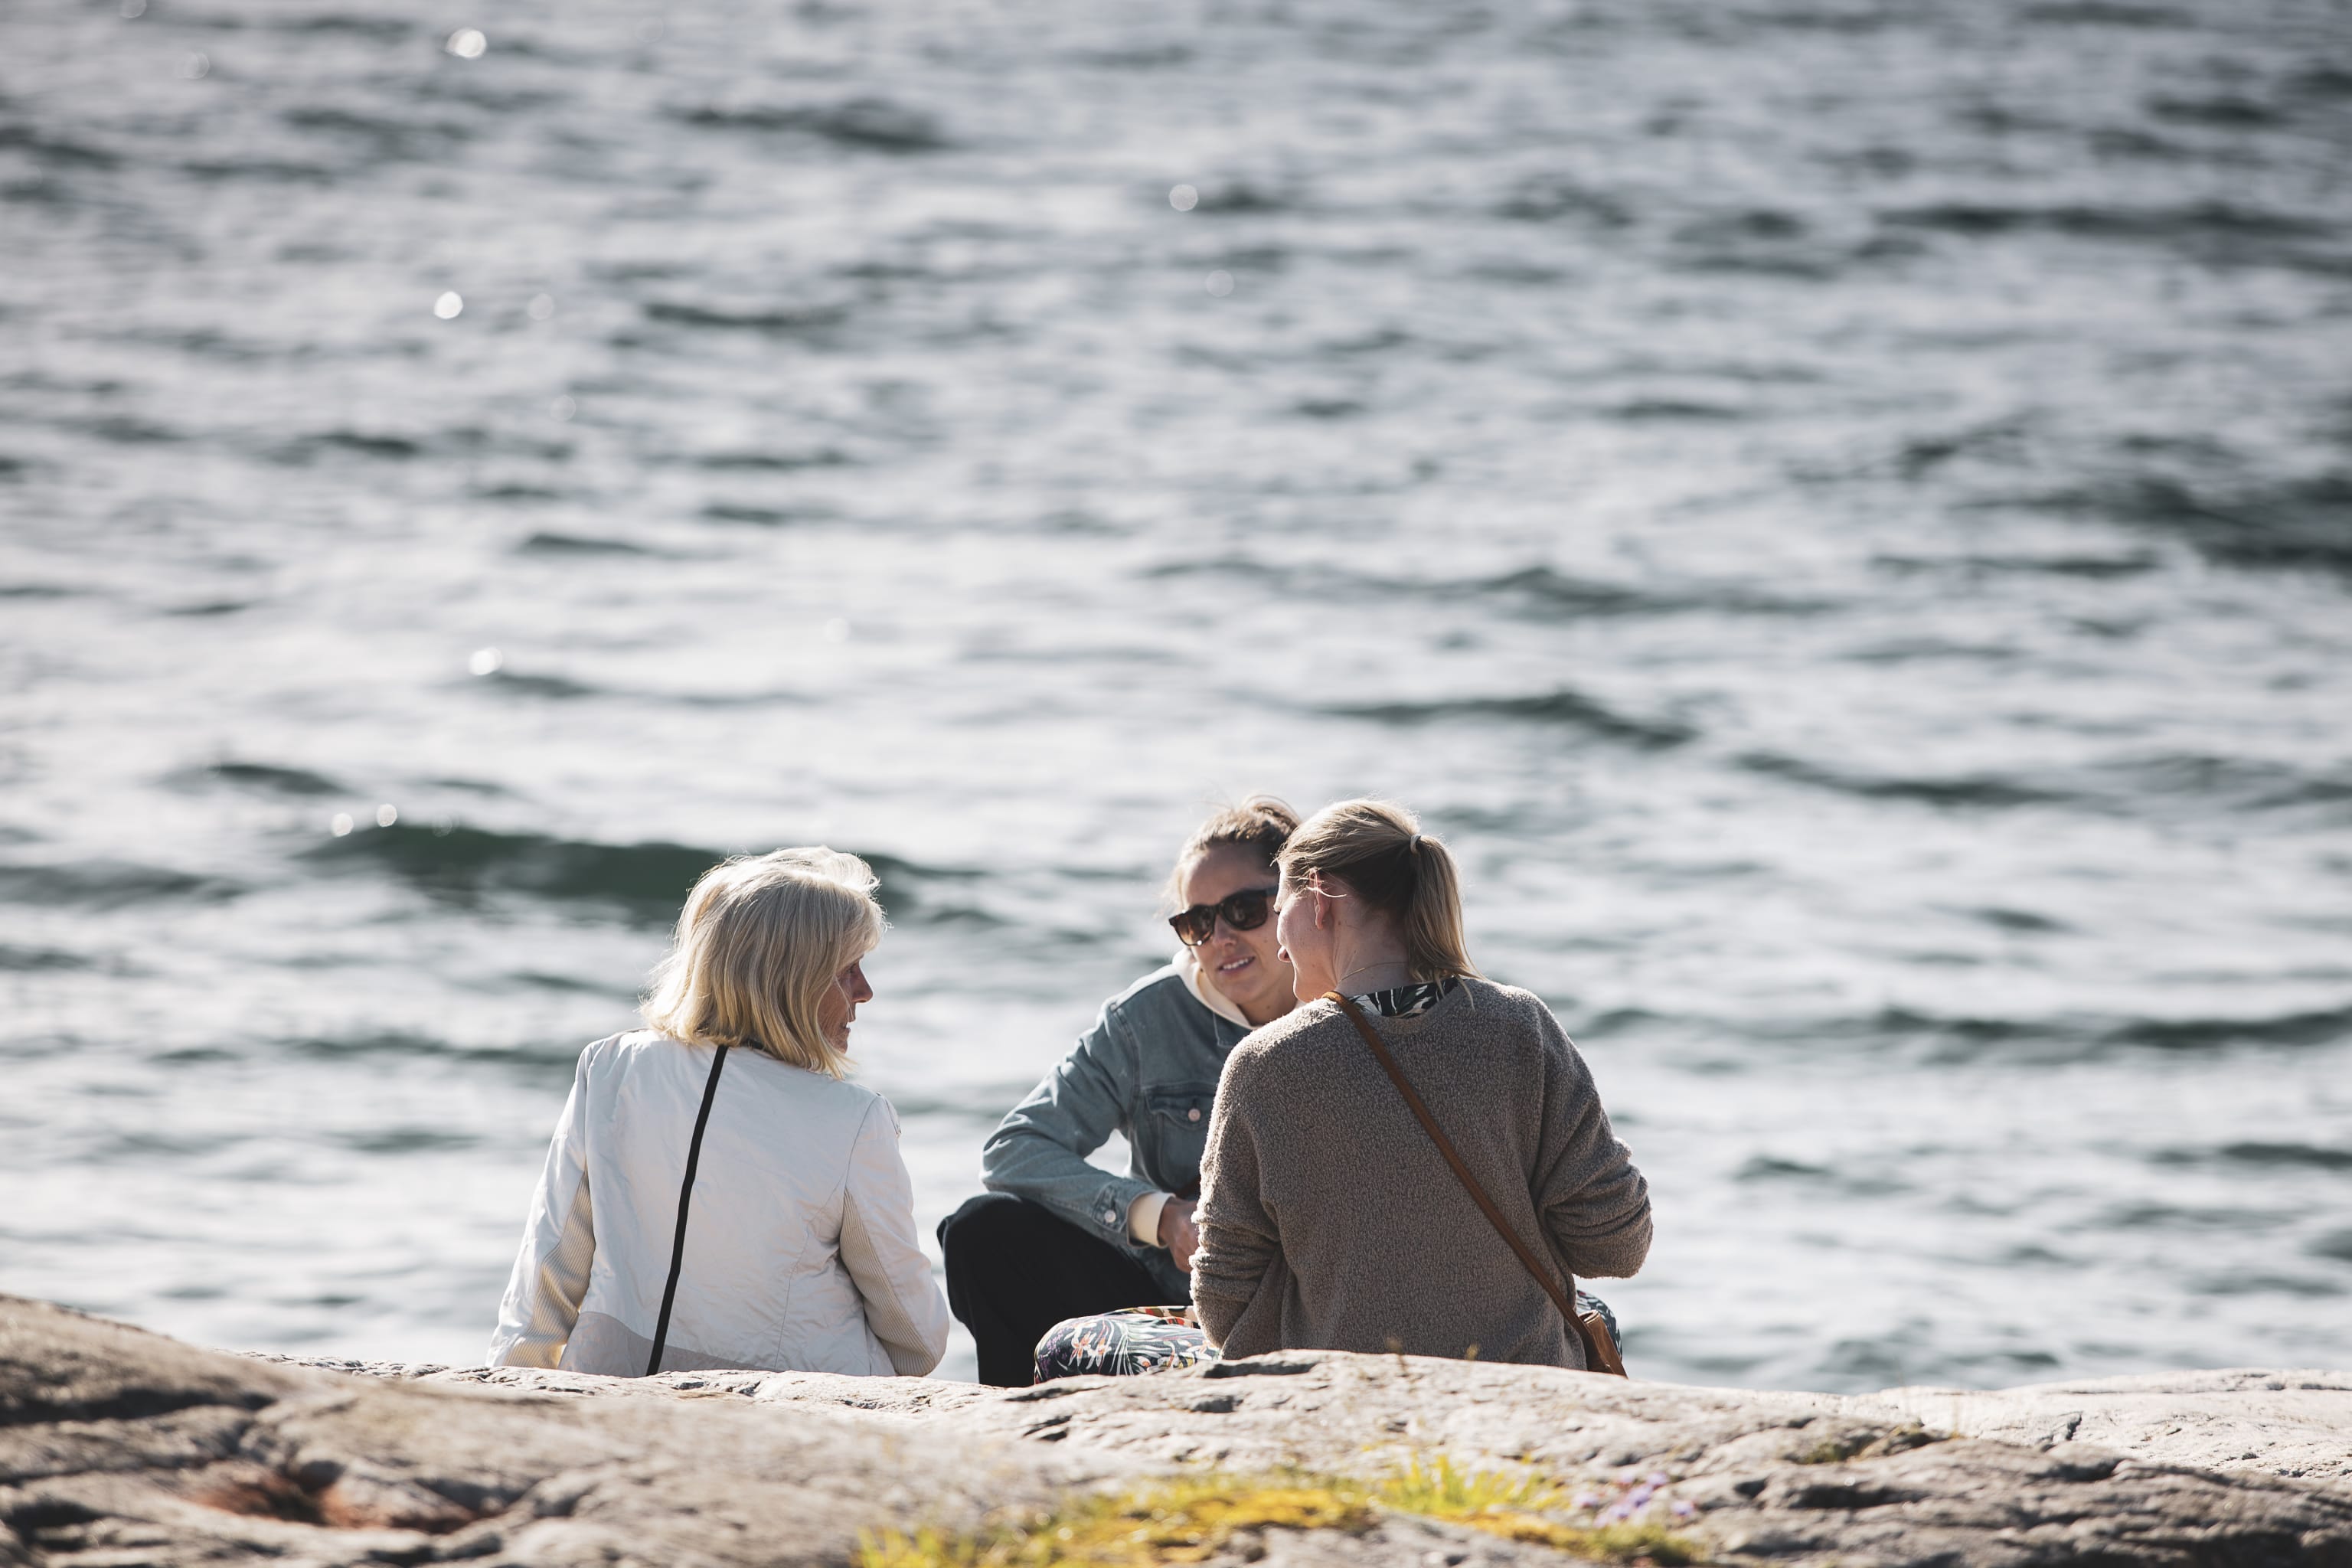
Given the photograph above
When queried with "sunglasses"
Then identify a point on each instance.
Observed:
(1245, 911)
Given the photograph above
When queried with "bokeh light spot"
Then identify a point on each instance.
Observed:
(467, 43)
(541, 307)
(1183, 198)
(134, 9)
(448, 306)
(485, 661)
(195, 67)
(341, 824)
(386, 814)
(1219, 283)
(564, 408)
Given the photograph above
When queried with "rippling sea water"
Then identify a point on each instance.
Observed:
(1841, 512)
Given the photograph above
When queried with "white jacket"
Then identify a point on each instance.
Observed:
(800, 1253)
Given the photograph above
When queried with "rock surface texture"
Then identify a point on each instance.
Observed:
(118, 1448)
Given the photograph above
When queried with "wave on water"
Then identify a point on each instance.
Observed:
(649, 880)
(1544, 588)
(2202, 221)
(574, 545)
(2320, 1028)
(56, 150)
(1564, 707)
(264, 777)
(267, 171)
(1539, 591)
(2107, 14)
(646, 882)
(812, 321)
(378, 139)
(2307, 1155)
(468, 440)
(2098, 568)
(2070, 1037)
(763, 516)
(2126, 786)
(770, 462)
(1967, 789)
(868, 124)
(104, 884)
(399, 1043)
(38, 959)
(520, 684)
(355, 443)
(556, 688)
(2304, 522)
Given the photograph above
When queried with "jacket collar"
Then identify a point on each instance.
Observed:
(1206, 995)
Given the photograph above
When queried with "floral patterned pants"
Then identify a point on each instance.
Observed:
(1159, 1339)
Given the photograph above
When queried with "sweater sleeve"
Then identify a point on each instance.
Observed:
(1238, 1238)
(558, 1243)
(878, 1246)
(1595, 1205)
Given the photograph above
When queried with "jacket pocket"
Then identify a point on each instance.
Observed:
(1173, 1133)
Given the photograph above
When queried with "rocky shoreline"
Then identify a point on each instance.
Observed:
(119, 1447)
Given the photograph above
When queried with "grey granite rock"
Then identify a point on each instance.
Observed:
(118, 1448)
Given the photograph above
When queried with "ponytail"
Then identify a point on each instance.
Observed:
(1380, 852)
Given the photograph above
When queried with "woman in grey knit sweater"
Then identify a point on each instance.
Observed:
(1328, 1217)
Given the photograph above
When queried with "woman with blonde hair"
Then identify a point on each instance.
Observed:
(765, 1221)
(1414, 1158)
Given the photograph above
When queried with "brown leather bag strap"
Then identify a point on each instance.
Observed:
(1565, 1301)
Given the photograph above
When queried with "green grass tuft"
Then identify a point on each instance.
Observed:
(1867, 1445)
(1187, 1519)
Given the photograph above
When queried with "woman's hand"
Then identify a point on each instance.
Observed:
(1178, 1234)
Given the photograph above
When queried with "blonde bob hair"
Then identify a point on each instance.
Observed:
(760, 939)
(1380, 854)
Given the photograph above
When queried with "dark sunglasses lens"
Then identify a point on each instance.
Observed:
(1243, 911)
(1247, 911)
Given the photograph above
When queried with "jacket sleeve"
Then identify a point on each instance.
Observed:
(559, 1242)
(878, 1246)
(1039, 1151)
(1595, 1205)
(1238, 1238)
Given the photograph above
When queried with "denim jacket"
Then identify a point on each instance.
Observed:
(1148, 1069)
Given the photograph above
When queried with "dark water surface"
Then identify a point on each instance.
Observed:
(1841, 512)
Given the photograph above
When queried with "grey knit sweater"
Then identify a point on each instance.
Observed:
(1328, 1220)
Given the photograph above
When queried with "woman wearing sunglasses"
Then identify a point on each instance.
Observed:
(1055, 1237)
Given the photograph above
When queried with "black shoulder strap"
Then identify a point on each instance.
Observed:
(685, 1193)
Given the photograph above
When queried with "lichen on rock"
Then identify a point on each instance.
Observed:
(119, 1446)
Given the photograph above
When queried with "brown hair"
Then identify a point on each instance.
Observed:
(1261, 825)
(1381, 853)
(760, 939)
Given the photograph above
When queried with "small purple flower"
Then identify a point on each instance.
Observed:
(1656, 1478)
(1683, 1509)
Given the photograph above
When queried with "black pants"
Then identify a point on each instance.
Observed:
(1014, 1269)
